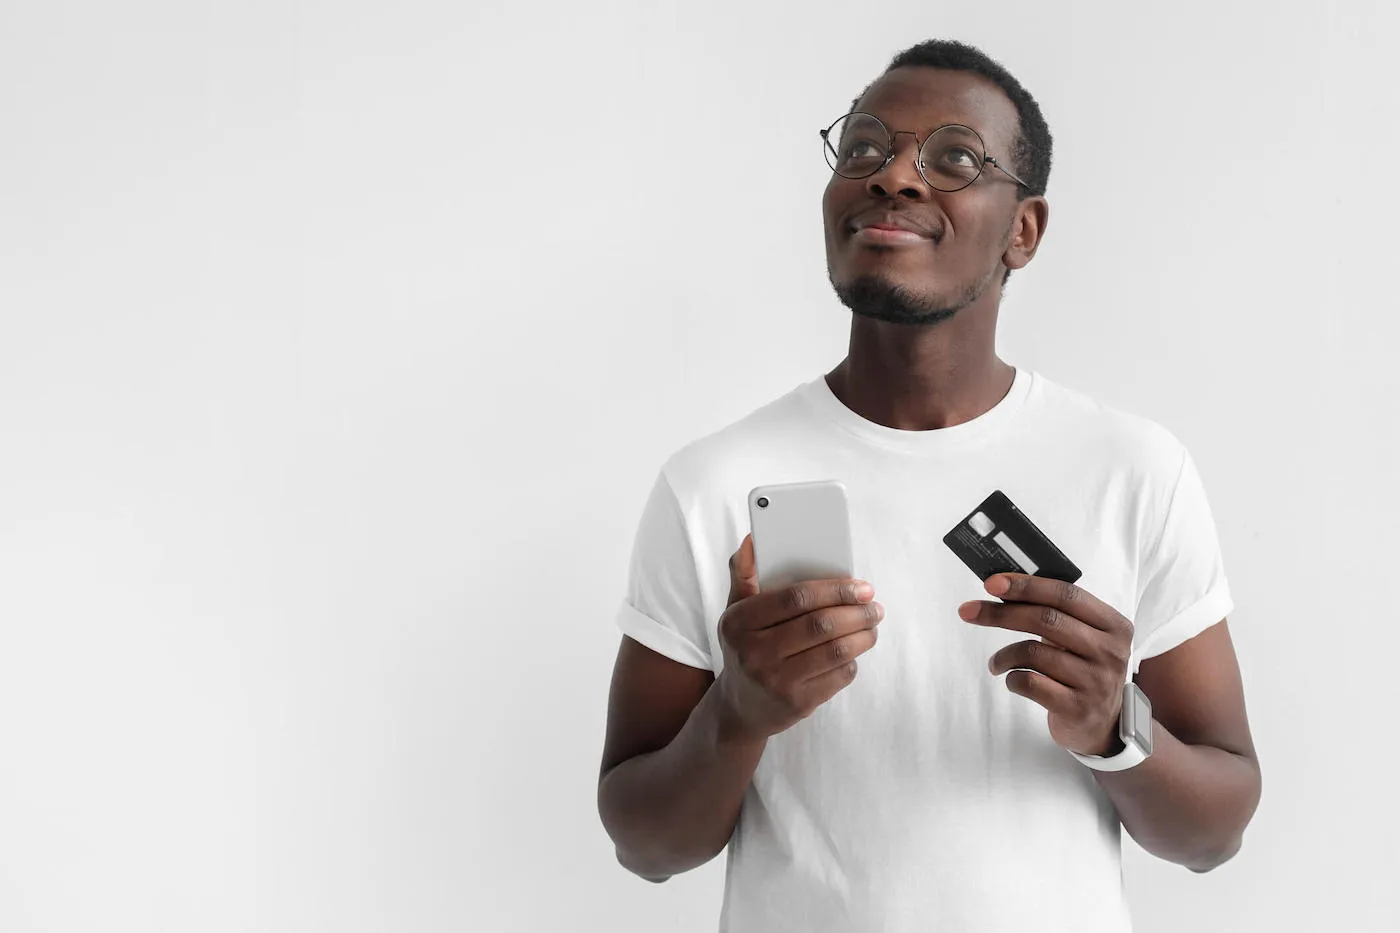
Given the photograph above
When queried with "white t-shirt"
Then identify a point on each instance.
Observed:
(926, 795)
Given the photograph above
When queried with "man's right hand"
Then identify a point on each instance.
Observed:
(787, 651)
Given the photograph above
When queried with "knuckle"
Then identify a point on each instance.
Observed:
(839, 649)
(726, 627)
(822, 624)
(875, 611)
(797, 598)
(1069, 593)
(848, 671)
(1119, 653)
(1050, 618)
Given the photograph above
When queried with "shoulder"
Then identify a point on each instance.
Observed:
(712, 464)
(1110, 433)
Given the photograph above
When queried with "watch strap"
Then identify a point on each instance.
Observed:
(1133, 752)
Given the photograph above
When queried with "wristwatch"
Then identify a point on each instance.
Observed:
(1134, 728)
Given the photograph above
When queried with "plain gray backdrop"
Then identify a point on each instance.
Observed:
(341, 342)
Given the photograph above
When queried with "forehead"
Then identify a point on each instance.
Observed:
(920, 98)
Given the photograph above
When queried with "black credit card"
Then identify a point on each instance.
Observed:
(997, 537)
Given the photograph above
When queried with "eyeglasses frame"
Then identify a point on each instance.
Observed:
(889, 156)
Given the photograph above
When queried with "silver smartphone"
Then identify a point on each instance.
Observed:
(801, 531)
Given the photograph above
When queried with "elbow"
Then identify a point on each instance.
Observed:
(646, 873)
(613, 823)
(1215, 859)
(1222, 854)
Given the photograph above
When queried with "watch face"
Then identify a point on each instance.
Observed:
(1140, 721)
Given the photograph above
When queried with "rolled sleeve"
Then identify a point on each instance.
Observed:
(1183, 588)
(662, 608)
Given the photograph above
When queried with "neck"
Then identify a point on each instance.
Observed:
(924, 391)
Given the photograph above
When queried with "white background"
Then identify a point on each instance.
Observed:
(340, 343)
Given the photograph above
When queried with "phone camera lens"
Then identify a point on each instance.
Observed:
(763, 502)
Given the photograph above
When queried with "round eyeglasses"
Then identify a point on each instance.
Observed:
(858, 145)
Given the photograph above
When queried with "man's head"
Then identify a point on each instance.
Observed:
(977, 235)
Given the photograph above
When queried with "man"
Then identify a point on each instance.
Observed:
(930, 792)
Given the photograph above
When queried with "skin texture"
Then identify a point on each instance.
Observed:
(681, 746)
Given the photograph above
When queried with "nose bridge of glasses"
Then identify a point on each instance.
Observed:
(894, 140)
(892, 156)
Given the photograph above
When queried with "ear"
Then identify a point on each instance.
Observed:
(1027, 230)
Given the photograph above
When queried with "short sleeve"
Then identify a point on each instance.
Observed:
(1182, 589)
(662, 608)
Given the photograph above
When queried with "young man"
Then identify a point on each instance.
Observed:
(929, 792)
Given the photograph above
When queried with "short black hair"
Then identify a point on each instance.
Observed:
(1031, 150)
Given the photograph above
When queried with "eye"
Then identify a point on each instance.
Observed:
(960, 156)
(953, 158)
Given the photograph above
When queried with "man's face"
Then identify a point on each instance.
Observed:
(928, 279)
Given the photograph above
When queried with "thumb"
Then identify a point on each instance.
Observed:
(743, 574)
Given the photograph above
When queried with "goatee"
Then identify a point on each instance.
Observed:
(874, 297)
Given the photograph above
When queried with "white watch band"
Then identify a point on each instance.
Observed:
(1133, 752)
(1131, 755)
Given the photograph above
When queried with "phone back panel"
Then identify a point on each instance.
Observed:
(804, 533)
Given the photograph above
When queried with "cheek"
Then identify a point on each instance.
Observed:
(977, 226)
(836, 199)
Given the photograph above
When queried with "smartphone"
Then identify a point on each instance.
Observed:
(801, 531)
(997, 537)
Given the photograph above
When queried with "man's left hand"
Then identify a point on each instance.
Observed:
(1077, 672)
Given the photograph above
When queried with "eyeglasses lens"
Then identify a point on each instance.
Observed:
(857, 146)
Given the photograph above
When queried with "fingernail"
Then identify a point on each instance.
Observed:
(968, 611)
(998, 585)
(864, 591)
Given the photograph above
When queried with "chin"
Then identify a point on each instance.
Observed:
(881, 279)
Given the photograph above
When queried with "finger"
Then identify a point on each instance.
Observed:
(819, 659)
(1066, 597)
(1054, 662)
(818, 690)
(814, 628)
(1056, 627)
(1054, 696)
(743, 574)
(774, 607)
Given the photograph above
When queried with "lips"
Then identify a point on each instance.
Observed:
(894, 221)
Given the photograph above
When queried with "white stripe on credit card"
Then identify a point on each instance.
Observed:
(1027, 565)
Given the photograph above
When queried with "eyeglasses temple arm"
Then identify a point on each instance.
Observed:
(1009, 174)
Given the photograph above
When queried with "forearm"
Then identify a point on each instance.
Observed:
(1187, 804)
(674, 809)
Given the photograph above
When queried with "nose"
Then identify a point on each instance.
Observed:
(901, 175)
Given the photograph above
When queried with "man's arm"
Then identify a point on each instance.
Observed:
(673, 774)
(1191, 800)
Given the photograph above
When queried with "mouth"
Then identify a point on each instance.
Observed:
(889, 236)
(890, 228)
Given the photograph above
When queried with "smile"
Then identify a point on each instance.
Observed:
(889, 236)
